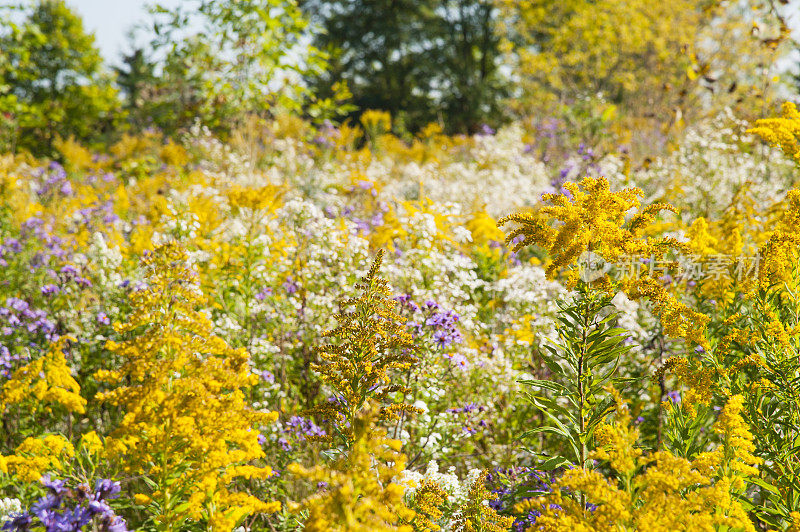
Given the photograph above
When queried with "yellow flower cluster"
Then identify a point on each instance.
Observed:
(670, 493)
(476, 515)
(483, 228)
(783, 131)
(427, 502)
(357, 493)
(737, 442)
(46, 380)
(187, 424)
(36, 456)
(266, 198)
(616, 443)
(593, 220)
(703, 380)
(781, 251)
(372, 343)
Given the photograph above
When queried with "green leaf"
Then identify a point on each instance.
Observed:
(553, 463)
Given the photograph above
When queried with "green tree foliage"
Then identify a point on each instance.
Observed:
(422, 60)
(136, 78)
(222, 61)
(52, 81)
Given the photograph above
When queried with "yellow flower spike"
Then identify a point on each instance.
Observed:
(593, 219)
(668, 493)
(427, 501)
(373, 343)
(368, 469)
(141, 499)
(616, 442)
(91, 443)
(175, 379)
(36, 456)
(484, 228)
(783, 132)
(47, 380)
(476, 514)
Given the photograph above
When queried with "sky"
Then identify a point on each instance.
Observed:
(110, 21)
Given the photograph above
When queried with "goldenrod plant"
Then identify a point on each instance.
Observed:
(476, 515)
(658, 491)
(590, 219)
(371, 344)
(185, 428)
(583, 361)
(358, 491)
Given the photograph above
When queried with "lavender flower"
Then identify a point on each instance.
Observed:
(290, 286)
(50, 289)
(64, 509)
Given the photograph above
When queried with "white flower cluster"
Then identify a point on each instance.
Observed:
(9, 508)
(449, 482)
(715, 162)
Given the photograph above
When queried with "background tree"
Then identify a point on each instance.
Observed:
(422, 60)
(52, 81)
(661, 64)
(136, 79)
(223, 61)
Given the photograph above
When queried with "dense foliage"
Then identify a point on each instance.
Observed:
(222, 310)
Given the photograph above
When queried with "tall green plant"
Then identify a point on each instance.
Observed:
(766, 371)
(582, 362)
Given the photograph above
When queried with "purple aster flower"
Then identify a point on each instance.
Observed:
(69, 270)
(262, 295)
(50, 289)
(19, 522)
(290, 286)
(116, 524)
(675, 397)
(99, 507)
(459, 360)
(17, 304)
(44, 505)
(106, 489)
(56, 486)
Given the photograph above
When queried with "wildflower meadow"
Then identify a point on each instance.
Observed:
(458, 266)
